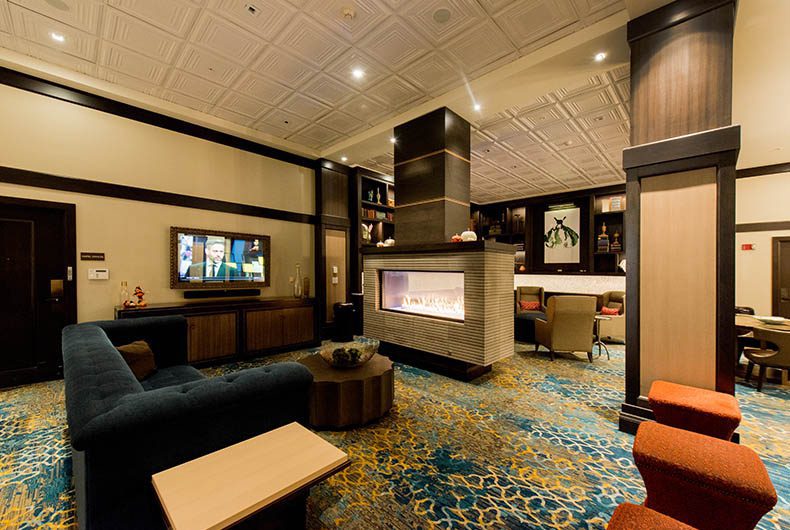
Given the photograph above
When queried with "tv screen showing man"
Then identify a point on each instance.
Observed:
(221, 259)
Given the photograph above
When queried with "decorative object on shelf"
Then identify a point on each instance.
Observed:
(603, 240)
(306, 287)
(518, 223)
(378, 196)
(389, 242)
(561, 238)
(139, 293)
(380, 244)
(456, 238)
(298, 282)
(468, 235)
(522, 268)
(350, 354)
(366, 232)
(495, 230)
(124, 295)
(617, 203)
(616, 246)
(380, 215)
(370, 195)
(391, 202)
(622, 264)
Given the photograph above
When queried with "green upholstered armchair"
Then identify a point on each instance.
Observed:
(530, 294)
(568, 325)
(614, 329)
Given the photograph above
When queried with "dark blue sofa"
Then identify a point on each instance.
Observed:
(123, 431)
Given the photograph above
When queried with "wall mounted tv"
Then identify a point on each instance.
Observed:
(210, 259)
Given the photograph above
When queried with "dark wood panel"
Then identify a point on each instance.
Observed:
(35, 179)
(438, 130)
(211, 306)
(334, 193)
(770, 226)
(681, 77)
(264, 329)
(676, 150)
(211, 336)
(298, 324)
(670, 15)
(772, 169)
(79, 97)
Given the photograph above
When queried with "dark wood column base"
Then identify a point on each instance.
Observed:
(631, 416)
(439, 364)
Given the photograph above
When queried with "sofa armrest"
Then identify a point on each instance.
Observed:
(166, 335)
(210, 413)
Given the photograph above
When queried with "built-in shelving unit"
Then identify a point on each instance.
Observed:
(375, 213)
(609, 232)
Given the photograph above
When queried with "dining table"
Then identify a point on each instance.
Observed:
(751, 322)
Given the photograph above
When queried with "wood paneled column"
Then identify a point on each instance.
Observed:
(680, 190)
(432, 171)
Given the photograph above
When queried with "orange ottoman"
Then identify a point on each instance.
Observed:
(635, 517)
(695, 409)
(704, 482)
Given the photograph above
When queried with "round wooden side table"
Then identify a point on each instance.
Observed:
(342, 398)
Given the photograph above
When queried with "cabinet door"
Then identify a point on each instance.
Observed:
(264, 329)
(211, 336)
(298, 325)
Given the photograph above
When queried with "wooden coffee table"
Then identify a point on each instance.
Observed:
(348, 397)
(258, 479)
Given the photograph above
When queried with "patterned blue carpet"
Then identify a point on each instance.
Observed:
(533, 444)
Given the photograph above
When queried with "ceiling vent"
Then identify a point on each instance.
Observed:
(252, 9)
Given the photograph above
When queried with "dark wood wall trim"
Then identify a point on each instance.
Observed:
(670, 15)
(633, 194)
(768, 226)
(23, 177)
(43, 87)
(772, 169)
(693, 145)
(725, 275)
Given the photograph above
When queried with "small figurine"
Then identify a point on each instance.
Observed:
(366, 232)
(456, 238)
(389, 242)
(378, 196)
(139, 293)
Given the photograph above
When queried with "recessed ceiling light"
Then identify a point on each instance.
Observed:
(57, 37)
(58, 4)
(442, 15)
(393, 140)
(358, 73)
(600, 56)
(478, 107)
(344, 159)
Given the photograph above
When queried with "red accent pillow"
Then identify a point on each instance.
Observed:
(529, 306)
(611, 311)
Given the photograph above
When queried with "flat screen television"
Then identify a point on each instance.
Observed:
(210, 259)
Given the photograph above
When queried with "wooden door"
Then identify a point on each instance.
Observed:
(298, 325)
(211, 336)
(781, 277)
(335, 243)
(264, 329)
(37, 253)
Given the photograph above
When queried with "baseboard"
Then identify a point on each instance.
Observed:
(631, 416)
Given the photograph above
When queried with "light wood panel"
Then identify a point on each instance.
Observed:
(335, 242)
(211, 336)
(678, 219)
(221, 488)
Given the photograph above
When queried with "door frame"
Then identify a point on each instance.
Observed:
(775, 288)
(68, 212)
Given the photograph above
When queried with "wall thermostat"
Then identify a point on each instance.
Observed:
(98, 274)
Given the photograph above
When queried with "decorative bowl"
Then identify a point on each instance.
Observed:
(349, 354)
(770, 320)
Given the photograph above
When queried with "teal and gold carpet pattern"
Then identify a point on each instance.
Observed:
(532, 445)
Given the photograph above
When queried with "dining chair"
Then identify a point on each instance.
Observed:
(774, 352)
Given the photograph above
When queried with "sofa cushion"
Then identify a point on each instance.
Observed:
(526, 305)
(171, 376)
(610, 311)
(615, 305)
(139, 357)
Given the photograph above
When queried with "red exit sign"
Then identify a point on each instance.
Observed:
(747, 246)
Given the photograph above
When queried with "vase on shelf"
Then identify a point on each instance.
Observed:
(123, 297)
(298, 282)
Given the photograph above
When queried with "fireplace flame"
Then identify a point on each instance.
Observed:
(441, 306)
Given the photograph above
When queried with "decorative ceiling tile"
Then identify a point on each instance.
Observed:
(194, 86)
(494, 6)
(273, 130)
(623, 89)
(305, 107)
(309, 41)
(58, 58)
(588, 102)
(174, 16)
(138, 36)
(367, 15)
(364, 108)
(127, 62)
(394, 44)
(282, 67)
(587, 7)
(600, 118)
(528, 21)
(207, 65)
(327, 89)
(226, 39)
(505, 128)
(439, 20)
(395, 92)
(595, 82)
(434, 73)
(341, 122)
(542, 116)
(480, 47)
(127, 81)
(352, 59)
(185, 101)
(260, 88)
(609, 131)
(283, 119)
(238, 119)
(5, 19)
(270, 18)
(316, 133)
(81, 14)
(37, 29)
(243, 105)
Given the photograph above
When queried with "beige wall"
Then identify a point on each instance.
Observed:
(757, 200)
(761, 82)
(43, 134)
